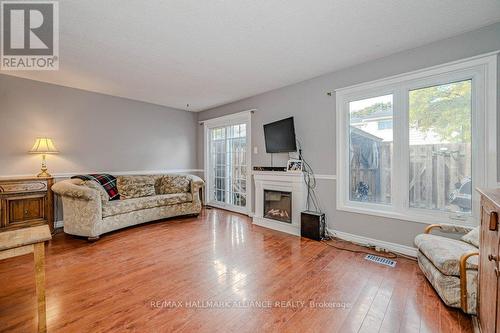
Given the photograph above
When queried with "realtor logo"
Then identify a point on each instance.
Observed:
(30, 35)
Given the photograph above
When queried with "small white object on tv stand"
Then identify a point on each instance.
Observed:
(295, 166)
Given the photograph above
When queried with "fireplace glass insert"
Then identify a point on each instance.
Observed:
(278, 205)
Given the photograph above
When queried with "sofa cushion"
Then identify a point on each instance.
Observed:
(445, 253)
(472, 237)
(98, 187)
(135, 186)
(112, 208)
(174, 184)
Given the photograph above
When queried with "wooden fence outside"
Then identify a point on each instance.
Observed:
(435, 171)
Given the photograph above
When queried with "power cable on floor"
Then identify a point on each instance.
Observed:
(386, 254)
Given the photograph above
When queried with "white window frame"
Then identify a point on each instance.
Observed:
(244, 117)
(482, 70)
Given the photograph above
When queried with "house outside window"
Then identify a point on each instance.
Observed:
(384, 124)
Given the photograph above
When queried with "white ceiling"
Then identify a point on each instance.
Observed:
(208, 53)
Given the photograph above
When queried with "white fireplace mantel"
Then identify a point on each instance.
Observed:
(280, 181)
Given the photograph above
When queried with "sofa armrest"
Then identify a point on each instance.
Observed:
(196, 183)
(72, 188)
(448, 228)
(82, 208)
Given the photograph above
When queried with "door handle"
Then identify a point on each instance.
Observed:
(492, 257)
(493, 221)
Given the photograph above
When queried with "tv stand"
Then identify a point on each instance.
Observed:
(263, 168)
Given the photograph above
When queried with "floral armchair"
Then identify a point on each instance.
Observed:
(451, 265)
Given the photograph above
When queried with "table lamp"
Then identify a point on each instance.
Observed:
(43, 146)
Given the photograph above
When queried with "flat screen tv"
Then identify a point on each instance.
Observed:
(280, 136)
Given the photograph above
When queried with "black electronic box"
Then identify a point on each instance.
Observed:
(312, 225)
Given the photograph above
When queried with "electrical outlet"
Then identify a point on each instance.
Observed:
(255, 150)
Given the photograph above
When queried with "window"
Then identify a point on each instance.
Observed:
(385, 124)
(228, 169)
(370, 150)
(440, 123)
(227, 162)
(415, 146)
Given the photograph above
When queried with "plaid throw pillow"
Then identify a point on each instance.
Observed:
(107, 181)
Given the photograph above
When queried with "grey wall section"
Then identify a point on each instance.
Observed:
(314, 114)
(93, 132)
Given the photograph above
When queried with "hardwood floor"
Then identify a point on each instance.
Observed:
(149, 279)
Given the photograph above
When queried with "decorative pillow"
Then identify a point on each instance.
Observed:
(96, 186)
(135, 186)
(171, 184)
(472, 237)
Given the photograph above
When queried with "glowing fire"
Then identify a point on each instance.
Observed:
(281, 213)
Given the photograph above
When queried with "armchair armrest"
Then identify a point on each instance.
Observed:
(463, 279)
(448, 228)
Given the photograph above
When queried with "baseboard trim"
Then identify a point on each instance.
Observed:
(116, 173)
(59, 224)
(393, 247)
(274, 225)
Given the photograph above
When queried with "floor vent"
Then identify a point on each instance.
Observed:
(381, 260)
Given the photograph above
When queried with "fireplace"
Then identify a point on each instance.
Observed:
(278, 205)
(278, 194)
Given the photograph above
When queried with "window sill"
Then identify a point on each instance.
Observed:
(412, 216)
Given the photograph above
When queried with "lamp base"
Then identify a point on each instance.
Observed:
(44, 174)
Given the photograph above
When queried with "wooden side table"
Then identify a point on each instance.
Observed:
(26, 202)
(30, 240)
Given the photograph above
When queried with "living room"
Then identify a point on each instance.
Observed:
(277, 166)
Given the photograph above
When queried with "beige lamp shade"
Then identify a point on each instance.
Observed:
(44, 146)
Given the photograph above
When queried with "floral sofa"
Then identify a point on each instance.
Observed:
(88, 212)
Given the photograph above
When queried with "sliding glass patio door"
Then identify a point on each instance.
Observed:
(227, 164)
